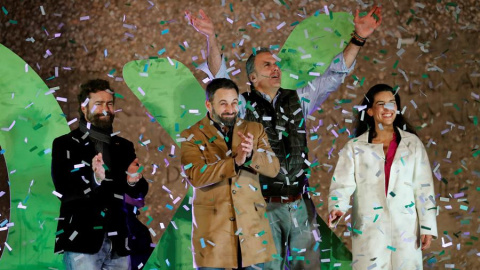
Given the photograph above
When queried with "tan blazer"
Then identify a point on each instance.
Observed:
(226, 211)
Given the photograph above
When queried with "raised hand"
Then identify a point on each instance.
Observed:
(364, 26)
(132, 173)
(244, 149)
(202, 23)
(97, 166)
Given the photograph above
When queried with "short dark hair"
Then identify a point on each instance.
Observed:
(250, 66)
(216, 84)
(92, 86)
(369, 123)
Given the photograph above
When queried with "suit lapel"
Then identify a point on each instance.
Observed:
(210, 132)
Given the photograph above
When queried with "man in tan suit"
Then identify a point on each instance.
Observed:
(222, 157)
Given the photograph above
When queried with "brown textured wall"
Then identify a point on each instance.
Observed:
(434, 33)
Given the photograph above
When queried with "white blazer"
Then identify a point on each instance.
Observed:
(386, 229)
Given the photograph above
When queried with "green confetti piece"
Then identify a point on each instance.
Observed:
(363, 14)
(426, 228)
(458, 171)
(465, 221)
(306, 100)
(117, 95)
(181, 47)
(255, 25)
(395, 65)
(337, 33)
(264, 242)
(424, 76)
(212, 139)
(334, 198)
(105, 167)
(197, 142)
(456, 107)
(375, 219)
(294, 23)
(464, 207)
(98, 227)
(261, 233)
(378, 208)
(410, 205)
(112, 71)
(301, 123)
(475, 121)
(392, 194)
(314, 164)
(37, 126)
(140, 169)
(403, 161)
(285, 133)
(357, 231)
(203, 168)
(336, 60)
(362, 81)
(391, 248)
(150, 219)
(246, 164)
(59, 232)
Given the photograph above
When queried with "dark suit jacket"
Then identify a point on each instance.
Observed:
(89, 211)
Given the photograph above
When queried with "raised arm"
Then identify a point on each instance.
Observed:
(204, 25)
(364, 27)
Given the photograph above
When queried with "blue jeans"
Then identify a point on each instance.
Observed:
(258, 266)
(294, 236)
(100, 260)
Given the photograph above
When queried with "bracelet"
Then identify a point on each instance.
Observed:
(357, 42)
(357, 36)
(357, 39)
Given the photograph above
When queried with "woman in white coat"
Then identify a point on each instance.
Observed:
(386, 168)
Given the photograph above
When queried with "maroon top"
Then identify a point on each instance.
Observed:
(392, 148)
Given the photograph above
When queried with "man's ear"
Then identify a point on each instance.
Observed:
(208, 105)
(84, 109)
(253, 77)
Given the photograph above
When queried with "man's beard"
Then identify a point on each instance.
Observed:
(96, 121)
(227, 121)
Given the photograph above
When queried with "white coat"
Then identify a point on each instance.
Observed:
(386, 229)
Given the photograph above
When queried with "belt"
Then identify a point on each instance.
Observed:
(283, 199)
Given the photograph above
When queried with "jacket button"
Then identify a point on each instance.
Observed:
(232, 219)
(234, 191)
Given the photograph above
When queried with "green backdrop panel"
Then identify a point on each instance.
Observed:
(312, 45)
(35, 119)
(169, 92)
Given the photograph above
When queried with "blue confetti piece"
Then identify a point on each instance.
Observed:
(202, 242)
(145, 68)
(105, 53)
(2, 151)
(169, 206)
(265, 187)
(162, 51)
(164, 31)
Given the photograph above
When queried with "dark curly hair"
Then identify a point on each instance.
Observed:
(92, 86)
(368, 122)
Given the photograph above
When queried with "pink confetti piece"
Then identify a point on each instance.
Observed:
(281, 25)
